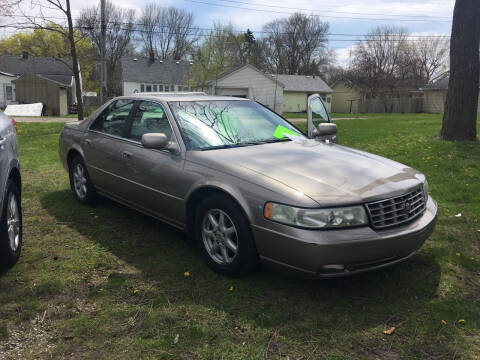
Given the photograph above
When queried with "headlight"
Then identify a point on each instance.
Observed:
(425, 189)
(316, 218)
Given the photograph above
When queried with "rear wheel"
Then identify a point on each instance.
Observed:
(80, 182)
(11, 226)
(224, 236)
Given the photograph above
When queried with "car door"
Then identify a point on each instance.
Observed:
(102, 145)
(155, 175)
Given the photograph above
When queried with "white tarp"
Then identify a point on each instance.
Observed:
(24, 110)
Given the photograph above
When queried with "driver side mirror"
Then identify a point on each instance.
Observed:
(158, 141)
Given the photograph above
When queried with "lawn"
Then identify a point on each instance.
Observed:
(107, 282)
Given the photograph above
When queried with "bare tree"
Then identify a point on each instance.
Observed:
(432, 55)
(296, 44)
(7, 6)
(41, 21)
(118, 36)
(460, 117)
(176, 33)
(150, 22)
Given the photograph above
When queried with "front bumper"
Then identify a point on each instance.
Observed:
(333, 253)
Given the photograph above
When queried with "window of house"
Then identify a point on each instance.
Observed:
(167, 88)
(155, 88)
(114, 118)
(160, 88)
(149, 88)
(142, 88)
(149, 117)
(9, 92)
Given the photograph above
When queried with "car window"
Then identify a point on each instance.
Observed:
(114, 119)
(149, 117)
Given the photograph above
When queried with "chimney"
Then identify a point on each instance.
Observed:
(25, 55)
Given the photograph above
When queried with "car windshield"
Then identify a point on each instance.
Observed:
(218, 124)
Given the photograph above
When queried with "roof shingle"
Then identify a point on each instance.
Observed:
(143, 70)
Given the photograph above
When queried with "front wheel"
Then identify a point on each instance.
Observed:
(11, 226)
(224, 236)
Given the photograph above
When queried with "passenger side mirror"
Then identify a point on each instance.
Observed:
(158, 141)
(318, 120)
(326, 129)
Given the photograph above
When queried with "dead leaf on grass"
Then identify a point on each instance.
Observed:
(389, 331)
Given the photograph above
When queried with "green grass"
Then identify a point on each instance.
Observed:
(72, 295)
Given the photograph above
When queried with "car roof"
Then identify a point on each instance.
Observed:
(179, 96)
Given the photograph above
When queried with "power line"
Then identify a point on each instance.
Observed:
(327, 16)
(335, 12)
(369, 38)
(214, 30)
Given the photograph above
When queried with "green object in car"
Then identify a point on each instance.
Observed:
(281, 130)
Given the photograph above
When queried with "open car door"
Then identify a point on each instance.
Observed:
(319, 125)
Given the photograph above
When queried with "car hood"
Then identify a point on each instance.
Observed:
(327, 173)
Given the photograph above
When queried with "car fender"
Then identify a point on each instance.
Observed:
(13, 164)
(230, 190)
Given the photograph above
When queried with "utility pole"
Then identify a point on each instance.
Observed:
(103, 73)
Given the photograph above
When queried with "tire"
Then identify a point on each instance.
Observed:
(218, 244)
(80, 183)
(11, 229)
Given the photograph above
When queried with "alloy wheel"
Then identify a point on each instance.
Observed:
(13, 222)
(219, 236)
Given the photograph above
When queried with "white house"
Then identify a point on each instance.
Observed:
(249, 82)
(7, 89)
(281, 93)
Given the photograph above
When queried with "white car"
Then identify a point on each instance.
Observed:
(10, 194)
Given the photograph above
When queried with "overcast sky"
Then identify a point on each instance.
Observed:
(345, 16)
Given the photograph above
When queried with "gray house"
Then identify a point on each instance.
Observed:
(141, 74)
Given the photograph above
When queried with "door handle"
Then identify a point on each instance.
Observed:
(126, 155)
(3, 141)
(88, 142)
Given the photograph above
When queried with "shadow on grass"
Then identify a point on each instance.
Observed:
(295, 306)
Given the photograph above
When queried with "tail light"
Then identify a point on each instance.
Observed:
(14, 123)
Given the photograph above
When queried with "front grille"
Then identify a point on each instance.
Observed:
(397, 210)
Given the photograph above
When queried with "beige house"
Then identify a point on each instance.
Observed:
(7, 89)
(32, 88)
(346, 98)
(435, 95)
(299, 87)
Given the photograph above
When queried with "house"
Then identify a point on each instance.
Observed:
(435, 95)
(299, 87)
(58, 71)
(34, 88)
(249, 82)
(143, 74)
(7, 89)
(346, 97)
(281, 93)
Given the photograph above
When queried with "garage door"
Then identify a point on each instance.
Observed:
(238, 92)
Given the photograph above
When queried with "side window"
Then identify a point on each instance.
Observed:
(114, 119)
(149, 118)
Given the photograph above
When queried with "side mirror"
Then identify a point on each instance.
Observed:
(327, 129)
(159, 141)
(316, 113)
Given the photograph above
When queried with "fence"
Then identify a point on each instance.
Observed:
(393, 105)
